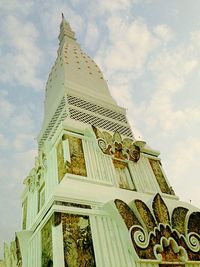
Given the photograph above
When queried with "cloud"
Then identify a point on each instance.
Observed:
(130, 43)
(113, 5)
(50, 16)
(16, 6)
(6, 107)
(22, 141)
(22, 56)
(163, 32)
(3, 142)
(91, 36)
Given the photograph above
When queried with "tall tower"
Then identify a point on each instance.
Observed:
(96, 195)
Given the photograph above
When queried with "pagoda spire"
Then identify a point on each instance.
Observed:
(66, 32)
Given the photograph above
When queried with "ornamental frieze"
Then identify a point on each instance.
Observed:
(36, 175)
(77, 241)
(76, 164)
(114, 145)
(158, 236)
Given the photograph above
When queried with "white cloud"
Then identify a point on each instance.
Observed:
(16, 6)
(3, 142)
(51, 18)
(22, 141)
(22, 56)
(22, 123)
(130, 45)
(91, 36)
(6, 108)
(113, 5)
(164, 32)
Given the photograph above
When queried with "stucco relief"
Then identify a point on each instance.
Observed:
(18, 253)
(116, 146)
(24, 205)
(36, 177)
(47, 247)
(77, 239)
(157, 235)
(155, 165)
(77, 164)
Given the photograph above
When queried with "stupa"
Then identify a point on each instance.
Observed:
(96, 195)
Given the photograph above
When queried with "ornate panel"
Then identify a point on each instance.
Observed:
(60, 161)
(169, 241)
(194, 222)
(77, 238)
(114, 145)
(77, 164)
(127, 214)
(178, 219)
(71, 204)
(47, 247)
(155, 165)
(18, 253)
(160, 210)
(24, 213)
(123, 175)
(145, 214)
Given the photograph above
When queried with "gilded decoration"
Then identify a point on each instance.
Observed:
(24, 205)
(77, 239)
(178, 219)
(77, 164)
(127, 214)
(36, 175)
(18, 253)
(159, 236)
(114, 145)
(145, 214)
(194, 223)
(71, 204)
(47, 247)
(122, 172)
(155, 165)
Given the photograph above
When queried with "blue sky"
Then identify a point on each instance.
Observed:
(148, 50)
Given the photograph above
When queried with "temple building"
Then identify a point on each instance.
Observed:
(96, 195)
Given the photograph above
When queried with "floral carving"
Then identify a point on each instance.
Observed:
(78, 247)
(47, 248)
(155, 165)
(77, 164)
(124, 149)
(158, 237)
(24, 205)
(126, 213)
(178, 219)
(18, 253)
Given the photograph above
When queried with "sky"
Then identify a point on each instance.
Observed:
(149, 52)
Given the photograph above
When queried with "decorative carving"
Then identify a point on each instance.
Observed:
(161, 239)
(78, 247)
(47, 248)
(155, 165)
(70, 204)
(127, 214)
(194, 223)
(36, 175)
(119, 148)
(77, 164)
(123, 175)
(160, 210)
(145, 214)
(24, 205)
(178, 219)
(18, 253)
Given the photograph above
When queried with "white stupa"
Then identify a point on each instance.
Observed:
(96, 195)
